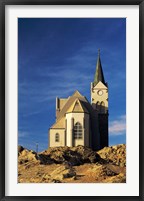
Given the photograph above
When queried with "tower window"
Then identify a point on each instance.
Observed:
(57, 138)
(102, 107)
(98, 105)
(77, 131)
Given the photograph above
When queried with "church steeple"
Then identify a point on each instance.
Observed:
(99, 89)
(99, 102)
(99, 72)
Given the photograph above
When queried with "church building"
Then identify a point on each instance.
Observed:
(79, 122)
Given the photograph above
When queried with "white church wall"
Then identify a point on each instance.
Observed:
(69, 130)
(77, 117)
(52, 141)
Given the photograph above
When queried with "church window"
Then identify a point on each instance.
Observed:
(57, 137)
(77, 131)
(98, 105)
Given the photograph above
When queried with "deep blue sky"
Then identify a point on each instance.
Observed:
(58, 56)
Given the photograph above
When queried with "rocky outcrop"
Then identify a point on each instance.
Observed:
(25, 155)
(72, 165)
(20, 149)
(114, 154)
(74, 155)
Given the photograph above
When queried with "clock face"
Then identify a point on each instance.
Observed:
(100, 92)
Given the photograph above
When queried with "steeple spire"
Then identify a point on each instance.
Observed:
(99, 72)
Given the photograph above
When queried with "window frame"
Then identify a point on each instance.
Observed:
(78, 131)
(57, 137)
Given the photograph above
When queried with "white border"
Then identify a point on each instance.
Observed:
(131, 188)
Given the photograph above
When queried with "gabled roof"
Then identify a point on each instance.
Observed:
(70, 105)
(77, 106)
(69, 102)
(77, 94)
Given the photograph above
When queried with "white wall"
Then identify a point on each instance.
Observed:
(52, 133)
(78, 117)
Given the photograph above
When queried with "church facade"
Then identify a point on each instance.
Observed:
(79, 122)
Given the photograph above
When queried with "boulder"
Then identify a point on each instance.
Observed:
(61, 173)
(20, 149)
(74, 155)
(27, 155)
(114, 154)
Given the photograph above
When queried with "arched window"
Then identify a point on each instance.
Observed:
(102, 107)
(98, 105)
(57, 137)
(77, 131)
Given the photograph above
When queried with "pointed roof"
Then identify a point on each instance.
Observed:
(99, 72)
(77, 106)
(69, 102)
(82, 106)
(77, 94)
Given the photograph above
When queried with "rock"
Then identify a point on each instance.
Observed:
(20, 149)
(74, 155)
(69, 174)
(27, 155)
(115, 154)
(109, 172)
(61, 173)
(56, 181)
(72, 165)
(44, 159)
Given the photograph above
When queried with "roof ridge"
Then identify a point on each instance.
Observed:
(77, 93)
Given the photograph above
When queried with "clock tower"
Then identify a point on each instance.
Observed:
(99, 102)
